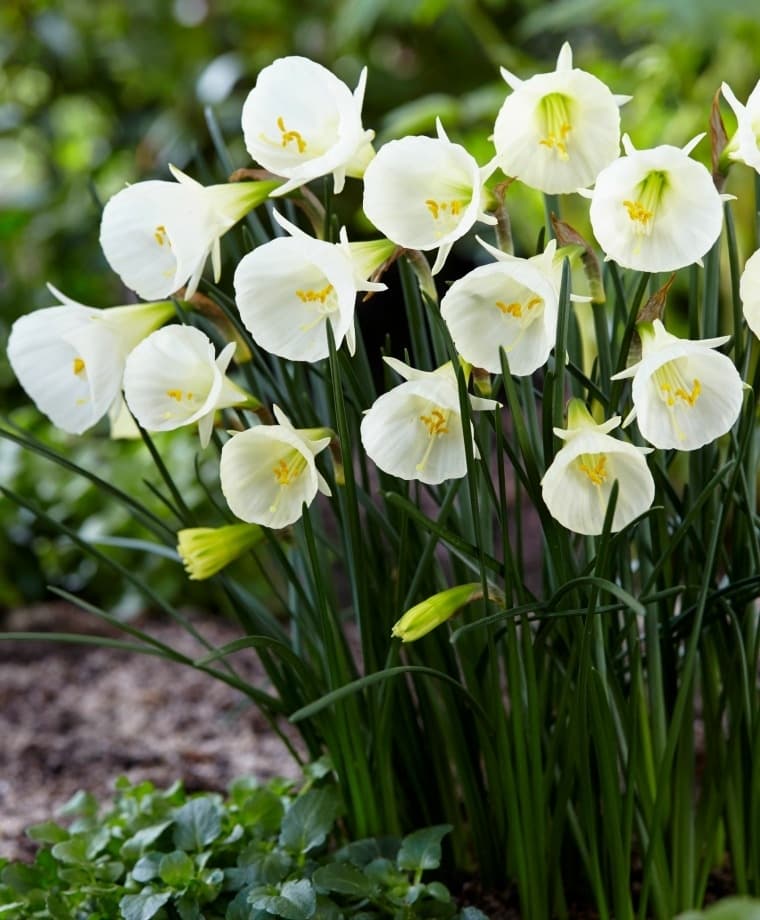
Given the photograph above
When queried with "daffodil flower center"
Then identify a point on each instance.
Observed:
(673, 388)
(446, 213)
(519, 309)
(286, 471)
(642, 209)
(161, 236)
(288, 137)
(324, 301)
(79, 367)
(555, 121)
(594, 467)
(437, 423)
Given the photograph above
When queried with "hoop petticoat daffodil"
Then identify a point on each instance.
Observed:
(172, 378)
(70, 358)
(300, 122)
(557, 130)
(656, 210)
(414, 431)
(425, 193)
(157, 235)
(268, 472)
(287, 290)
(744, 146)
(684, 393)
(577, 485)
(511, 304)
(207, 550)
(749, 292)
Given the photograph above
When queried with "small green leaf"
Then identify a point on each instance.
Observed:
(438, 892)
(143, 906)
(296, 901)
(309, 820)
(137, 843)
(47, 832)
(363, 852)
(176, 869)
(344, 879)
(72, 851)
(422, 849)
(82, 804)
(197, 823)
(146, 867)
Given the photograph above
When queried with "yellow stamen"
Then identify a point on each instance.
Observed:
(442, 208)
(288, 136)
(554, 113)
(672, 394)
(287, 471)
(637, 211)
(161, 236)
(313, 296)
(435, 422)
(594, 466)
(79, 366)
(516, 309)
(642, 208)
(175, 394)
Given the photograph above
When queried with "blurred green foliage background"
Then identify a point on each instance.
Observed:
(97, 94)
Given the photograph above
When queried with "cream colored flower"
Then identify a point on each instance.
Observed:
(656, 210)
(173, 378)
(268, 472)
(684, 393)
(289, 288)
(425, 193)
(577, 485)
(70, 358)
(749, 291)
(414, 431)
(557, 130)
(157, 236)
(300, 121)
(745, 145)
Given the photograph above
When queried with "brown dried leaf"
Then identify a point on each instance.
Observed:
(568, 236)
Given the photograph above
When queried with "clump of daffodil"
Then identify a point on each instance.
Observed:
(512, 304)
(749, 292)
(288, 289)
(656, 210)
(414, 431)
(207, 550)
(173, 378)
(421, 619)
(685, 394)
(557, 130)
(157, 235)
(577, 485)
(425, 193)
(744, 146)
(268, 472)
(300, 122)
(70, 358)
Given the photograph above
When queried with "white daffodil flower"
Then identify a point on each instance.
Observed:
(157, 236)
(656, 210)
(576, 487)
(414, 431)
(172, 378)
(557, 130)
(425, 193)
(749, 292)
(289, 288)
(745, 144)
(70, 358)
(300, 122)
(268, 472)
(511, 304)
(684, 393)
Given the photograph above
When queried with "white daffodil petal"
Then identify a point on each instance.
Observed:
(422, 192)
(507, 304)
(172, 379)
(300, 121)
(749, 291)
(656, 210)
(576, 488)
(556, 131)
(70, 358)
(267, 474)
(745, 146)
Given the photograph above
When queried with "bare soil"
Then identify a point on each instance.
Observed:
(77, 717)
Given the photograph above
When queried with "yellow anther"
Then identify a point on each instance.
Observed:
(673, 394)
(596, 471)
(533, 302)
(513, 309)
(442, 208)
(312, 296)
(435, 422)
(175, 394)
(79, 366)
(555, 112)
(288, 136)
(557, 141)
(161, 236)
(637, 212)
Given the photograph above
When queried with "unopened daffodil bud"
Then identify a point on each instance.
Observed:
(421, 619)
(207, 550)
